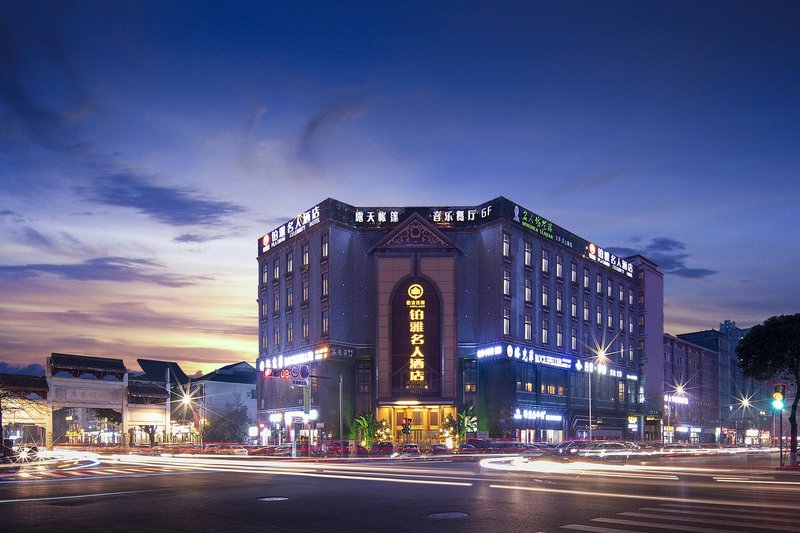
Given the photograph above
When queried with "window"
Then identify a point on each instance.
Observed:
(559, 335)
(621, 321)
(325, 322)
(506, 321)
(264, 340)
(305, 256)
(528, 254)
(599, 318)
(264, 308)
(621, 391)
(506, 282)
(276, 269)
(559, 267)
(621, 293)
(265, 275)
(586, 278)
(363, 376)
(630, 354)
(573, 342)
(289, 298)
(641, 321)
(574, 306)
(630, 297)
(305, 327)
(545, 337)
(609, 288)
(276, 300)
(574, 274)
(641, 275)
(324, 284)
(585, 311)
(641, 297)
(528, 290)
(599, 284)
(610, 321)
(528, 327)
(506, 245)
(544, 295)
(559, 298)
(305, 290)
(630, 326)
(545, 261)
(276, 333)
(470, 376)
(289, 329)
(324, 247)
(289, 263)
(641, 346)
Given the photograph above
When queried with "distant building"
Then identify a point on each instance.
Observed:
(227, 387)
(425, 310)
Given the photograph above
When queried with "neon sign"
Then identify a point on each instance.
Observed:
(416, 330)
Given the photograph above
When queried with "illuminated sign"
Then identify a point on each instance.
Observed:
(291, 229)
(590, 367)
(633, 423)
(632, 377)
(416, 340)
(443, 217)
(285, 361)
(526, 355)
(416, 332)
(606, 258)
(541, 226)
(674, 398)
(536, 414)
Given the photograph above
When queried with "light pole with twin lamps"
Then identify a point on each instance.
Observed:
(599, 358)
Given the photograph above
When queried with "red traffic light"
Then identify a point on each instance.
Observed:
(269, 372)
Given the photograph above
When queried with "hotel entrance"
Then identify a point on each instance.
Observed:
(426, 422)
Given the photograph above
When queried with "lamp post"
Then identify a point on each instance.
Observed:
(599, 357)
(668, 405)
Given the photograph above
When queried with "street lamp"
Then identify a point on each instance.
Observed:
(599, 358)
(668, 404)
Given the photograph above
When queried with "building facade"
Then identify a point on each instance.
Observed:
(425, 310)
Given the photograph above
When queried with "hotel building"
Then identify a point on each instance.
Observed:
(425, 310)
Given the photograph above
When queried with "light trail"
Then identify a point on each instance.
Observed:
(76, 496)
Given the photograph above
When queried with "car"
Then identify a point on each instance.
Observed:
(409, 450)
(467, 448)
(605, 451)
(439, 449)
(570, 447)
(382, 448)
(506, 446)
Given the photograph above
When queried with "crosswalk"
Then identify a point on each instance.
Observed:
(695, 518)
(33, 475)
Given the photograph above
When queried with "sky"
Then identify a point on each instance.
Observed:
(146, 146)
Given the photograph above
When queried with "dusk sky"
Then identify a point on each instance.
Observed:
(146, 146)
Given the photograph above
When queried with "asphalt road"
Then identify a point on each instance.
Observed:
(703, 495)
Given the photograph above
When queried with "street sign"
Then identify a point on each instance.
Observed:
(299, 382)
(304, 371)
(295, 371)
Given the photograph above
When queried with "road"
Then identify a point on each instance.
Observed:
(135, 493)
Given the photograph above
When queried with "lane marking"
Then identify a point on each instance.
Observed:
(726, 513)
(76, 496)
(705, 520)
(597, 529)
(670, 527)
(760, 505)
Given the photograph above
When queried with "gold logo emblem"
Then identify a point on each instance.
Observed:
(415, 291)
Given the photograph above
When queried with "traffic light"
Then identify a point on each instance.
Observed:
(269, 372)
(778, 397)
(405, 426)
(408, 427)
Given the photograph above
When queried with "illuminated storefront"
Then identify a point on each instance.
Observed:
(423, 311)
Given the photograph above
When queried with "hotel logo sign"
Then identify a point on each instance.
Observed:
(416, 339)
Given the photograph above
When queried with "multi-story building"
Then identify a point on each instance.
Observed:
(691, 392)
(744, 403)
(425, 310)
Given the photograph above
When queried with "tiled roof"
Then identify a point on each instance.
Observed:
(156, 371)
(23, 382)
(85, 362)
(146, 389)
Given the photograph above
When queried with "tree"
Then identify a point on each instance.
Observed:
(230, 426)
(367, 428)
(151, 432)
(467, 421)
(772, 351)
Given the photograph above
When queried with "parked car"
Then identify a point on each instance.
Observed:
(382, 448)
(569, 448)
(440, 449)
(605, 451)
(409, 450)
(467, 448)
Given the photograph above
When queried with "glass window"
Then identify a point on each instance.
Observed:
(528, 254)
(599, 314)
(324, 247)
(325, 322)
(559, 335)
(559, 297)
(585, 311)
(630, 297)
(363, 376)
(574, 306)
(544, 295)
(506, 321)
(610, 321)
(599, 284)
(545, 261)
(559, 267)
(630, 326)
(289, 329)
(305, 290)
(276, 269)
(506, 282)
(265, 274)
(305, 255)
(470, 376)
(585, 278)
(276, 300)
(289, 263)
(621, 293)
(528, 327)
(545, 331)
(264, 340)
(324, 284)
(574, 340)
(574, 274)
(506, 244)
(641, 321)
(289, 298)
(621, 322)
(276, 333)
(528, 290)
(305, 327)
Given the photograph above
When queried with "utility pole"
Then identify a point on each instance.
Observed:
(167, 413)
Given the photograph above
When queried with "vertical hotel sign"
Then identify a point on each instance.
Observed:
(416, 340)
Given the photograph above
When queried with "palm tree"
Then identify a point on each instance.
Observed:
(367, 427)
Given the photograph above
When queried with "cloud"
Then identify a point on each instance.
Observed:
(669, 255)
(195, 238)
(176, 206)
(326, 121)
(583, 184)
(100, 269)
(31, 237)
(30, 370)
